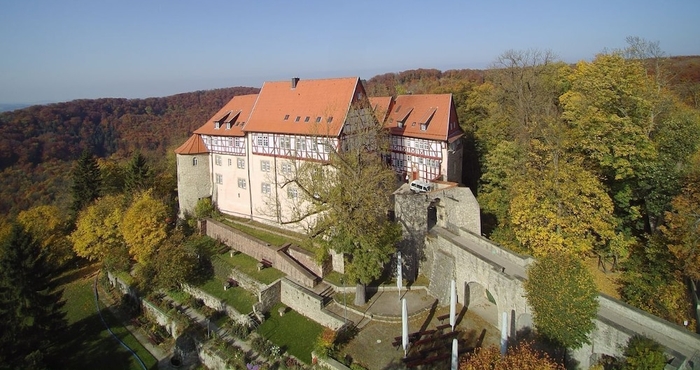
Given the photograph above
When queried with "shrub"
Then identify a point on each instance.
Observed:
(643, 353)
(239, 331)
(325, 343)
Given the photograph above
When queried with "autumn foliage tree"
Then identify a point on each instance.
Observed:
(520, 357)
(97, 233)
(563, 297)
(48, 225)
(144, 226)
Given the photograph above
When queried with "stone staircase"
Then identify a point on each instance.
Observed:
(325, 291)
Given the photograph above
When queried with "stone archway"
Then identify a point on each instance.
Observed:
(481, 302)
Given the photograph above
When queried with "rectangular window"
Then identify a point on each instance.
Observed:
(240, 163)
(285, 142)
(229, 161)
(307, 119)
(241, 183)
(263, 140)
(240, 142)
(219, 178)
(217, 160)
(286, 168)
(265, 188)
(318, 119)
(286, 117)
(291, 192)
(194, 161)
(301, 143)
(297, 119)
(265, 166)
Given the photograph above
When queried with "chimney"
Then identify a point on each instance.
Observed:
(294, 82)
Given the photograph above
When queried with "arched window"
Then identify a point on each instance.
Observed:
(194, 161)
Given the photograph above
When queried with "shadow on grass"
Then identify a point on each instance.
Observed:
(88, 345)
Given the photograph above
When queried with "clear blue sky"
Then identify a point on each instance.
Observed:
(62, 50)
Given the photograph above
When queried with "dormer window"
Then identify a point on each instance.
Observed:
(217, 124)
(286, 117)
(423, 126)
(307, 119)
(228, 125)
(330, 119)
(297, 119)
(318, 119)
(399, 124)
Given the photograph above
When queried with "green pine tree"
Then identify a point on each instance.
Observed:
(87, 182)
(137, 174)
(30, 305)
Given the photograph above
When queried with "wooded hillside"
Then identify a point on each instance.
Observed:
(38, 144)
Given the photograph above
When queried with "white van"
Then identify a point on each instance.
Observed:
(421, 186)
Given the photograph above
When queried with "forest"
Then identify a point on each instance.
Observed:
(600, 159)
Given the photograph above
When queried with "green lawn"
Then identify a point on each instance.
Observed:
(292, 332)
(237, 297)
(249, 266)
(87, 343)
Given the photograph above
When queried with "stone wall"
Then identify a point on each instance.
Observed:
(210, 359)
(301, 271)
(451, 207)
(161, 318)
(269, 296)
(295, 271)
(246, 282)
(308, 304)
(308, 260)
(217, 304)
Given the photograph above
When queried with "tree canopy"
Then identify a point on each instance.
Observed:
(564, 299)
(144, 226)
(30, 306)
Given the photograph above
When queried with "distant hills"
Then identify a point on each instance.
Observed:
(39, 143)
(10, 107)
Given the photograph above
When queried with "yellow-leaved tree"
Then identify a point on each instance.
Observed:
(144, 226)
(47, 225)
(97, 233)
(561, 207)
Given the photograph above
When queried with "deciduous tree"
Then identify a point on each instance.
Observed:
(520, 357)
(144, 226)
(563, 297)
(344, 201)
(97, 234)
(48, 226)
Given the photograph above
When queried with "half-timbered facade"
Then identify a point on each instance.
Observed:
(242, 156)
(425, 136)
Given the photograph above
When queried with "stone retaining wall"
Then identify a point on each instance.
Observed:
(217, 304)
(308, 304)
(301, 270)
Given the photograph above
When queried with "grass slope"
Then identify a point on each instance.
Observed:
(86, 343)
(294, 333)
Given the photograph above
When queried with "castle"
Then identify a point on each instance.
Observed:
(240, 155)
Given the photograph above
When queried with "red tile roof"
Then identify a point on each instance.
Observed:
(304, 109)
(381, 106)
(435, 110)
(235, 113)
(193, 145)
